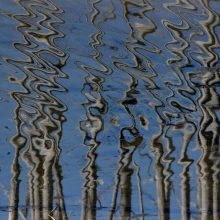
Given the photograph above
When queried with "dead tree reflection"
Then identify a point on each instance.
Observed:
(39, 114)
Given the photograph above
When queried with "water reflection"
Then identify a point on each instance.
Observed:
(39, 114)
(95, 109)
(130, 139)
(154, 66)
(208, 139)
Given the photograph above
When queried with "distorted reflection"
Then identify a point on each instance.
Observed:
(145, 78)
(39, 114)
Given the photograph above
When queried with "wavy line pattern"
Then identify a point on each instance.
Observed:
(147, 77)
(39, 113)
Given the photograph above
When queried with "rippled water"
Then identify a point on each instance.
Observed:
(109, 109)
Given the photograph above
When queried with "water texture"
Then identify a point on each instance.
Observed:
(109, 109)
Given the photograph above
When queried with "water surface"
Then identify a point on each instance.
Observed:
(109, 109)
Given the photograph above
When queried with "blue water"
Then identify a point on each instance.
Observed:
(109, 109)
